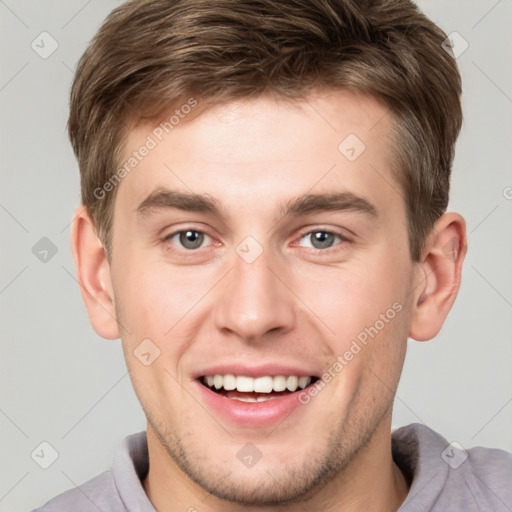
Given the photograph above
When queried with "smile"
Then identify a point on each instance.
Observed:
(267, 385)
(258, 389)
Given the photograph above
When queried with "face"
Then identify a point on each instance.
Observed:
(264, 241)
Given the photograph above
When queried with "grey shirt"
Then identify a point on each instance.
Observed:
(443, 477)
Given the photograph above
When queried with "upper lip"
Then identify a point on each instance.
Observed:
(262, 370)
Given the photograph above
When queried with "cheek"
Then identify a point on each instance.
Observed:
(153, 297)
(348, 299)
(162, 305)
(153, 308)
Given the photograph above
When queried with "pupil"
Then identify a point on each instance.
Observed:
(191, 239)
(322, 240)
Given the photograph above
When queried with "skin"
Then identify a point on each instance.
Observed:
(294, 304)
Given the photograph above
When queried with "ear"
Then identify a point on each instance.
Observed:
(439, 275)
(93, 272)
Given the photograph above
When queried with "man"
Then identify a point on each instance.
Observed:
(264, 224)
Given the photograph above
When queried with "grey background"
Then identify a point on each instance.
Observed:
(62, 384)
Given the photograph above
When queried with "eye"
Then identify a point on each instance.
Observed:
(321, 239)
(189, 239)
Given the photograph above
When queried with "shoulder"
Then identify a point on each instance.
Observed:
(99, 493)
(493, 461)
(110, 490)
(482, 475)
(446, 474)
(491, 468)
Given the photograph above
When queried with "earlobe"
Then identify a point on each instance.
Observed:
(439, 276)
(93, 273)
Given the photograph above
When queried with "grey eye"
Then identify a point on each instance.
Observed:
(320, 239)
(190, 239)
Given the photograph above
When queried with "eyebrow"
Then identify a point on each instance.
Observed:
(337, 201)
(162, 199)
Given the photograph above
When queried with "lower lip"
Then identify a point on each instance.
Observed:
(250, 414)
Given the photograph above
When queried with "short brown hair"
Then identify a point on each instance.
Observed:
(151, 55)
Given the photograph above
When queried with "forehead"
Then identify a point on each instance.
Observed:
(265, 148)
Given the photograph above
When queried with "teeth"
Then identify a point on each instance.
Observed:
(259, 399)
(244, 383)
(240, 399)
(218, 381)
(265, 384)
(229, 382)
(280, 383)
(292, 383)
(265, 398)
(304, 381)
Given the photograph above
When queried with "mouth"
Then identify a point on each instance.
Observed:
(256, 389)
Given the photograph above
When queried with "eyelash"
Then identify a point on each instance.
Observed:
(342, 238)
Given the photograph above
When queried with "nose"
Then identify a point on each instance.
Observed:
(255, 301)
